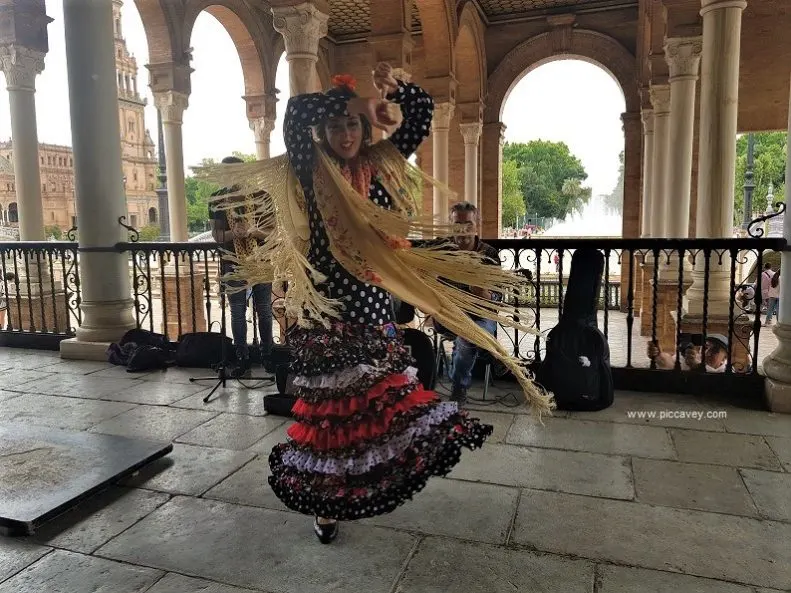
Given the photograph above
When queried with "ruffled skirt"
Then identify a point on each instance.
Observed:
(367, 435)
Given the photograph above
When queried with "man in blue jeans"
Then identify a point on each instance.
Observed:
(227, 226)
(465, 354)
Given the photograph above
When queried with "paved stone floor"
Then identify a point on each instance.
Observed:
(597, 503)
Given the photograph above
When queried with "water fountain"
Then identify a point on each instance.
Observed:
(595, 220)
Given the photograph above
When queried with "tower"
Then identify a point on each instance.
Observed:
(137, 147)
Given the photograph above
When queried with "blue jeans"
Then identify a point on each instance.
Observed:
(262, 301)
(771, 309)
(465, 354)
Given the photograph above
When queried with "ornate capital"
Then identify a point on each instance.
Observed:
(262, 128)
(171, 105)
(21, 65)
(443, 113)
(710, 5)
(660, 99)
(648, 121)
(302, 26)
(471, 132)
(683, 57)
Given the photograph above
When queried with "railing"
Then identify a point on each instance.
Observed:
(176, 289)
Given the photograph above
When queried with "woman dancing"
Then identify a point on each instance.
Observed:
(367, 435)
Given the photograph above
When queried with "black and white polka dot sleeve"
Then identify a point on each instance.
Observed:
(302, 112)
(418, 109)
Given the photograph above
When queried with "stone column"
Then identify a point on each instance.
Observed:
(648, 168)
(262, 129)
(440, 127)
(472, 134)
(302, 26)
(20, 66)
(104, 273)
(171, 105)
(683, 58)
(660, 99)
(492, 174)
(777, 365)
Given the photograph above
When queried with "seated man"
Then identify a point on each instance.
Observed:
(228, 227)
(465, 354)
(715, 355)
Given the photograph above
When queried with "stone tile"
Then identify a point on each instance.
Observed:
(82, 386)
(464, 510)
(622, 579)
(657, 537)
(547, 469)
(235, 400)
(500, 422)
(74, 367)
(6, 395)
(248, 486)
(262, 549)
(232, 431)
(758, 422)
(156, 394)
(781, 448)
(442, 565)
(692, 486)
(189, 470)
(16, 555)
(20, 380)
(68, 572)
(735, 450)
(771, 492)
(117, 372)
(264, 447)
(98, 519)
(60, 412)
(594, 437)
(154, 423)
(176, 583)
(646, 408)
(179, 375)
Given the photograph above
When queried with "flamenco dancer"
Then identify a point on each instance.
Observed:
(367, 435)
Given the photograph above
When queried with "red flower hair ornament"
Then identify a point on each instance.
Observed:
(344, 80)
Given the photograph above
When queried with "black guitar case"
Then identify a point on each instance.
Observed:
(576, 367)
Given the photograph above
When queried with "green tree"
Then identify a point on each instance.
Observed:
(150, 232)
(544, 167)
(769, 168)
(53, 231)
(513, 202)
(614, 200)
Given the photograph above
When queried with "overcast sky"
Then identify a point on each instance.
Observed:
(570, 100)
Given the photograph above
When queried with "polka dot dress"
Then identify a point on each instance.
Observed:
(367, 435)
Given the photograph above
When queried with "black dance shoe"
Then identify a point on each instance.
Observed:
(325, 532)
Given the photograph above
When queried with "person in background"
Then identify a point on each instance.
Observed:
(766, 280)
(773, 298)
(225, 230)
(465, 354)
(715, 355)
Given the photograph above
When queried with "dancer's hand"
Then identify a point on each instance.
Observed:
(382, 114)
(384, 80)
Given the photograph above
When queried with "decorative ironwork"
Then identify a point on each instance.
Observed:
(71, 234)
(134, 234)
(755, 230)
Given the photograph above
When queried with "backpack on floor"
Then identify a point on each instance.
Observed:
(204, 350)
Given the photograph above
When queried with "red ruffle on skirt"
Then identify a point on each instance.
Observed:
(328, 437)
(343, 408)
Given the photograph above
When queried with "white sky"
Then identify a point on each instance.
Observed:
(571, 101)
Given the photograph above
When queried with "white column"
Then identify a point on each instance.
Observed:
(104, 273)
(719, 100)
(21, 65)
(660, 99)
(171, 105)
(262, 129)
(472, 136)
(648, 168)
(440, 128)
(302, 26)
(777, 365)
(683, 58)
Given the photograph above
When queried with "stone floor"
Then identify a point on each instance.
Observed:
(597, 503)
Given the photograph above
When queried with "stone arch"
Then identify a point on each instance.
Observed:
(152, 216)
(160, 34)
(247, 32)
(470, 50)
(13, 213)
(590, 46)
(439, 18)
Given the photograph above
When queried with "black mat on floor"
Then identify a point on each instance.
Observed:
(45, 471)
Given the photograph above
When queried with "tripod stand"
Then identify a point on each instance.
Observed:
(223, 377)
